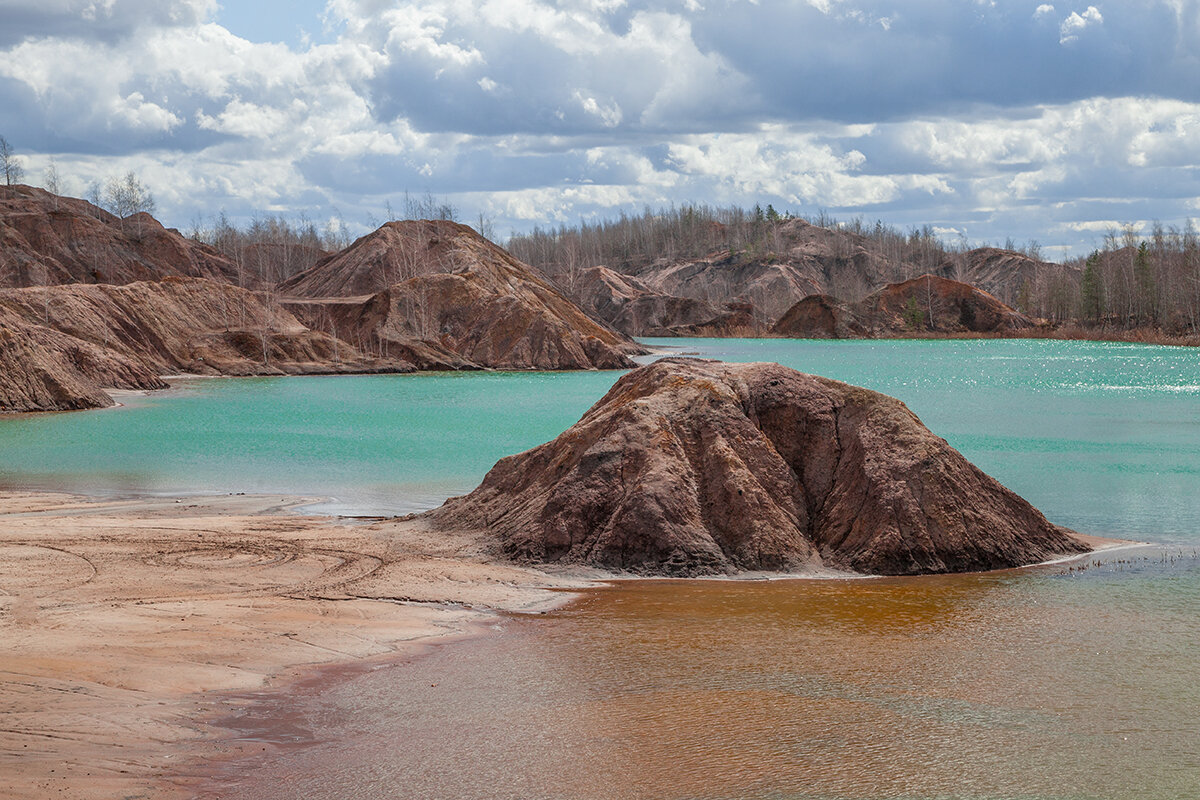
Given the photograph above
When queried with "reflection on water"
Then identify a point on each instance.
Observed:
(1042, 683)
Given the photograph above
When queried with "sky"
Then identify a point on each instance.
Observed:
(989, 120)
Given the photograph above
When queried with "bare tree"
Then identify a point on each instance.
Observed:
(10, 163)
(128, 196)
(52, 181)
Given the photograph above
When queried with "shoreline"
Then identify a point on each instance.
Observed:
(138, 627)
(129, 623)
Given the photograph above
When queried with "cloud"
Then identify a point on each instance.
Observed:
(97, 20)
(1076, 23)
(969, 116)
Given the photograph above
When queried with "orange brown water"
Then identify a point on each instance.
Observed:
(1039, 683)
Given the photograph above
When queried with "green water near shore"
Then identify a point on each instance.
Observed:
(1102, 437)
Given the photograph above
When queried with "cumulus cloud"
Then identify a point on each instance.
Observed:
(1076, 23)
(968, 116)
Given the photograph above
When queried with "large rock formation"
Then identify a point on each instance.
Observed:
(51, 240)
(690, 467)
(443, 286)
(60, 345)
(927, 304)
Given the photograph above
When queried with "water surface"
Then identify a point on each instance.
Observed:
(1041, 683)
(1102, 437)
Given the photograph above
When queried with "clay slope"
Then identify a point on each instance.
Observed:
(690, 467)
(927, 304)
(738, 320)
(49, 240)
(820, 316)
(633, 308)
(45, 370)
(799, 260)
(1003, 273)
(440, 286)
(60, 345)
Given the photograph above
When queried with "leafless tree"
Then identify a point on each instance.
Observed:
(52, 181)
(126, 197)
(10, 164)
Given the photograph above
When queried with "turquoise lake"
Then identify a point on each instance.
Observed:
(1103, 437)
(1046, 683)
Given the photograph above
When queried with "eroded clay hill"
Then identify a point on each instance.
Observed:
(633, 308)
(690, 467)
(1004, 274)
(927, 304)
(442, 285)
(59, 346)
(45, 239)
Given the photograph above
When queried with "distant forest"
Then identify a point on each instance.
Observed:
(1128, 283)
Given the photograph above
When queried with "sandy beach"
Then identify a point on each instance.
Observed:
(124, 621)
(130, 625)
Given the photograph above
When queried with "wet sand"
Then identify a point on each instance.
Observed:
(127, 623)
(129, 626)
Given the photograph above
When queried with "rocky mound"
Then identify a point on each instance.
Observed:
(633, 308)
(930, 303)
(690, 467)
(60, 345)
(820, 316)
(927, 304)
(767, 283)
(50, 240)
(440, 287)
(738, 320)
(44, 370)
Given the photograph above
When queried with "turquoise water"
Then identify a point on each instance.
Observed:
(1102, 437)
(1049, 682)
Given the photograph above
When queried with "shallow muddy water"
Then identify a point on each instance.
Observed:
(1042, 683)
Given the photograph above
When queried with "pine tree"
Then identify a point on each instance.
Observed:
(1144, 276)
(1092, 289)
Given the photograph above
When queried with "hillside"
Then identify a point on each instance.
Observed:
(50, 240)
(61, 345)
(442, 284)
(928, 304)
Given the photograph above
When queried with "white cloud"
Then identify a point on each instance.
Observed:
(537, 110)
(1076, 23)
(609, 114)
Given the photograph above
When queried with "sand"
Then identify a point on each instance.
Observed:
(125, 624)
(129, 626)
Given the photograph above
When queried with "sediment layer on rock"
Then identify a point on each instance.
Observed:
(691, 467)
